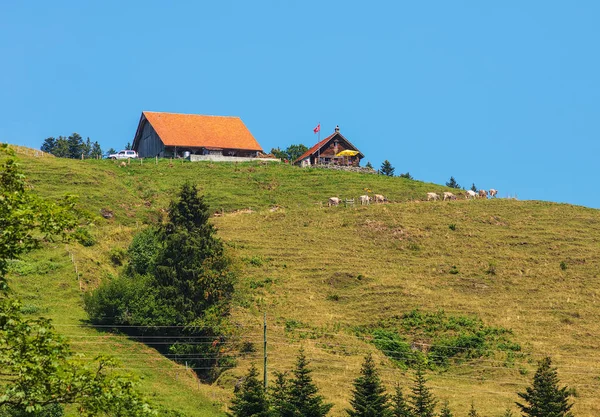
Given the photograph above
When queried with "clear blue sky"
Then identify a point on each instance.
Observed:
(502, 94)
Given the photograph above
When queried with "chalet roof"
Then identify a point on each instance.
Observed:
(322, 143)
(195, 130)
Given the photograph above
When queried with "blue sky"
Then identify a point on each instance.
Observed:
(502, 94)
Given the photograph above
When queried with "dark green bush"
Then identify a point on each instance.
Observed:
(84, 237)
(143, 251)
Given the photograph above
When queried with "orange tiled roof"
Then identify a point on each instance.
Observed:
(195, 130)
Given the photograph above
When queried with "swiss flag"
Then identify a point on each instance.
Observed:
(318, 128)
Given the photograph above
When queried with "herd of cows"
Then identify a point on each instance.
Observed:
(378, 198)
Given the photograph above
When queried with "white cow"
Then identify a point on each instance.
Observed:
(470, 194)
(493, 192)
(380, 199)
(483, 193)
(449, 196)
(432, 196)
(333, 201)
(364, 199)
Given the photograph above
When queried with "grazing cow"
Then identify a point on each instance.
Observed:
(449, 196)
(333, 201)
(483, 193)
(432, 196)
(364, 199)
(380, 199)
(470, 194)
(493, 192)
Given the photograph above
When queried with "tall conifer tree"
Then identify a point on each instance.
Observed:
(399, 406)
(250, 400)
(422, 400)
(544, 398)
(368, 396)
(445, 411)
(303, 394)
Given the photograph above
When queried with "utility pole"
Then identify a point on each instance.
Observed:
(265, 351)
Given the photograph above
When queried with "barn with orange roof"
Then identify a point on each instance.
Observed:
(198, 137)
(333, 150)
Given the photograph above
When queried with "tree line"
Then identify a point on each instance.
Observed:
(72, 146)
(298, 396)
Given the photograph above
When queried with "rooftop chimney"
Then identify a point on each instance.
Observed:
(337, 129)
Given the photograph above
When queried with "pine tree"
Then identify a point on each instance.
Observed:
(399, 406)
(368, 396)
(452, 183)
(76, 145)
(128, 146)
(303, 394)
(48, 145)
(96, 150)
(473, 188)
(508, 413)
(544, 398)
(250, 400)
(445, 412)
(387, 168)
(369, 165)
(422, 400)
(473, 411)
(280, 396)
(407, 176)
(61, 147)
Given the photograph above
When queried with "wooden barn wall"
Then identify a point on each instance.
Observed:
(150, 144)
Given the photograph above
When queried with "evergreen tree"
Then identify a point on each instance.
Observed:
(446, 412)
(111, 151)
(369, 165)
(87, 148)
(544, 398)
(508, 413)
(422, 400)
(250, 400)
(76, 145)
(278, 153)
(280, 396)
(96, 150)
(387, 168)
(61, 147)
(128, 146)
(407, 176)
(473, 411)
(368, 395)
(303, 394)
(473, 188)
(48, 145)
(452, 183)
(399, 406)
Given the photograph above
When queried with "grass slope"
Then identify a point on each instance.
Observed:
(319, 272)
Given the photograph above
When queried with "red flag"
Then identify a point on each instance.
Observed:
(318, 128)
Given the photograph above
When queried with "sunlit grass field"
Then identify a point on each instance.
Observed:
(319, 273)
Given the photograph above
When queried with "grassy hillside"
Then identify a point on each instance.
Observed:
(324, 275)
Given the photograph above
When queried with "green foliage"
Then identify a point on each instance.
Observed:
(143, 251)
(52, 410)
(473, 188)
(544, 398)
(473, 411)
(448, 336)
(508, 413)
(422, 400)
(369, 165)
(452, 183)
(400, 407)
(303, 394)
(291, 153)
(250, 400)
(178, 277)
(452, 227)
(406, 175)
(117, 256)
(563, 265)
(445, 411)
(387, 168)
(128, 146)
(83, 236)
(38, 364)
(25, 219)
(280, 396)
(368, 395)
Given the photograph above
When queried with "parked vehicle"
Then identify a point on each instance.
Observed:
(125, 154)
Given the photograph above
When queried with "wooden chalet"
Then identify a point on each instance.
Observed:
(333, 150)
(181, 135)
